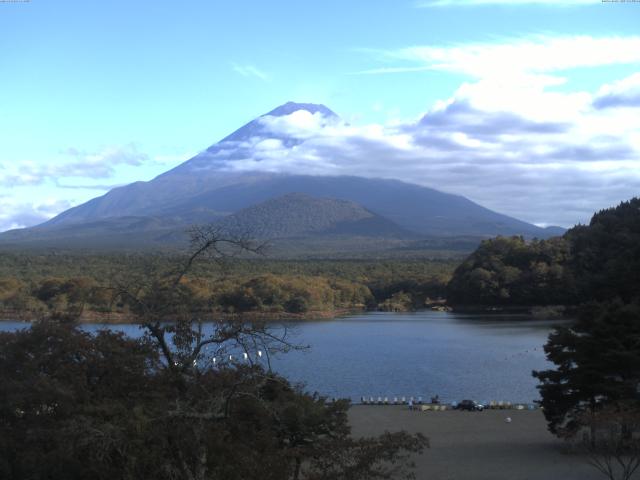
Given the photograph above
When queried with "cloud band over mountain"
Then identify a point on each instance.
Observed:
(527, 150)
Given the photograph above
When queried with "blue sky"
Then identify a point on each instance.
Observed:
(97, 94)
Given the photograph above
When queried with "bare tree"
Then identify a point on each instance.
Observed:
(182, 325)
(611, 444)
(217, 369)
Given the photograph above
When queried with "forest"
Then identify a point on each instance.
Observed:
(595, 262)
(47, 284)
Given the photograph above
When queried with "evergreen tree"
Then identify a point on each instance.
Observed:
(597, 365)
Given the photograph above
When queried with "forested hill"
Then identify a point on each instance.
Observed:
(599, 261)
(298, 214)
(40, 285)
(147, 216)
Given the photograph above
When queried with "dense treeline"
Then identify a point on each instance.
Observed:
(105, 406)
(598, 261)
(592, 393)
(32, 266)
(50, 284)
(512, 271)
(606, 254)
(53, 294)
(294, 294)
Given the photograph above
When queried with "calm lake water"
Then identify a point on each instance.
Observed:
(483, 357)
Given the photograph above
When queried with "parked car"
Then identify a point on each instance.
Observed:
(470, 405)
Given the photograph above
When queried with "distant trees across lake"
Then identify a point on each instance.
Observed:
(598, 261)
(35, 285)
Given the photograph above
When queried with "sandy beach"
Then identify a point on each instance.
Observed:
(478, 445)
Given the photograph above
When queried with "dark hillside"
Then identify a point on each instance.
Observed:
(297, 214)
(599, 261)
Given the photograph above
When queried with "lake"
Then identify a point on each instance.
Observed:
(479, 356)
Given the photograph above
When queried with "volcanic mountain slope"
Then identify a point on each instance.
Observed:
(419, 209)
(208, 187)
(206, 172)
(111, 233)
(339, 225)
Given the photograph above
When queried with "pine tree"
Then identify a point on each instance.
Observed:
(597, 365)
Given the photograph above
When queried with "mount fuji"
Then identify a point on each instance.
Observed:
(234, 182)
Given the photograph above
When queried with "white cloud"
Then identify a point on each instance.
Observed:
(507, 138)
(250, 71)
(101, 163)
(82, 164)
(516, 59)
(624, 93)
(20, 214)
(269, 144)
(299, 124)
(545, 156)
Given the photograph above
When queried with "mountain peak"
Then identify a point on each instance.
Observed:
(290, 107)
(256, 127)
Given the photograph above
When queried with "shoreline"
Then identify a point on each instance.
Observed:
(548, 311)
(555, 312)
(119, 318)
